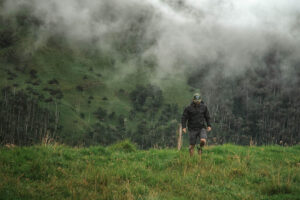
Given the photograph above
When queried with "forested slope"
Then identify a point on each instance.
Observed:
(79, 94)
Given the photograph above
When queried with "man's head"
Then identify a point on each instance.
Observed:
(197, 98)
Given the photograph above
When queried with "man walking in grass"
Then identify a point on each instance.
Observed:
(195, 115)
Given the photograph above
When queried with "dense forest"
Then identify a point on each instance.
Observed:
(79, 95)
(260, 106)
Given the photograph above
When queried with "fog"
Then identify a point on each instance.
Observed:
(181, 35)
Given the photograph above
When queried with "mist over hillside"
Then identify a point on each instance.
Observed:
(178, 34)
(126, 69)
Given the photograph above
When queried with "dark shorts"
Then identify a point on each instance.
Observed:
(194, 134)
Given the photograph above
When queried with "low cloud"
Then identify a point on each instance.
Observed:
(180, 35)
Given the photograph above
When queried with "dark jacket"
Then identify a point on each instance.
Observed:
(195, 115)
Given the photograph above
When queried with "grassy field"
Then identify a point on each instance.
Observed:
(121, 171)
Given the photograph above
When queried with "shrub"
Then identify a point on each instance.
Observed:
(53, 81)
(79, 88)
(146, 97)
(124, 146)
(7, 38)
(100, 113)
(33, 74)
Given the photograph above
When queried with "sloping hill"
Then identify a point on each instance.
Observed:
(87, 75)
(121, 171)
(96, 96)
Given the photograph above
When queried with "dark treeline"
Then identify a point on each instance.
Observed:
(250, 109)
(259, 107)
(254, 109)
(23, 121)
(150, 123)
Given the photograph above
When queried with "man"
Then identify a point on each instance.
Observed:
(196, 114)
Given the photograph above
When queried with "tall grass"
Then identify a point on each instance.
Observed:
(123, 172)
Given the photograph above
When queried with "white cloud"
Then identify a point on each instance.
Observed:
(186, 33)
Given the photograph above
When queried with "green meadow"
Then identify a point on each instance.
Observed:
(121, 171)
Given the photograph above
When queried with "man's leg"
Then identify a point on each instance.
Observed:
(191, 150)
(203, 137)
(202, 143)
(193, 139)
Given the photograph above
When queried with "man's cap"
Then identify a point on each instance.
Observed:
(197, 97)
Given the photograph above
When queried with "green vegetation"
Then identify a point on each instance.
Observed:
(121, 171)
(83, 94)
(94, 96)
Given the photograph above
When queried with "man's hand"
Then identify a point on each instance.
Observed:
(208, 129)
(184, 130)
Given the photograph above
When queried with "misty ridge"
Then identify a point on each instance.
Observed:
(114, 70)
(179, 35)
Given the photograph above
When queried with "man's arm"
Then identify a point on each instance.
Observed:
(184, 119)
(207, 118)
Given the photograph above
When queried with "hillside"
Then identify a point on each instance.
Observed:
(122, 172)
(78, 86)
(113, 71)
(92, 96)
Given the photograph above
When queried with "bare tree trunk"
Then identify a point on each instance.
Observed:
(179, 132)
(56, 119)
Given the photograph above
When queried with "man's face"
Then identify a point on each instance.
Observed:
(197, 101)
